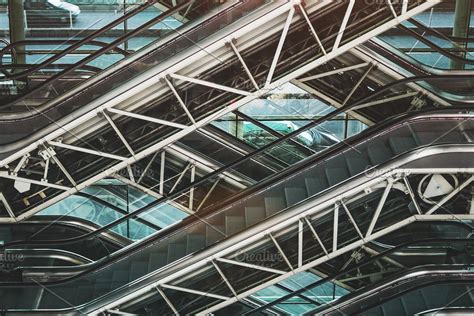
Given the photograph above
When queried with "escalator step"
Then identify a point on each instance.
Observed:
(157, 260)
(315, 185)
(176, 251)
(376, 311)
(336, 175)
(253, 215)
(214, 233)
(83, 294)
(379, 154)
(428, 137)
(295, 195)
(138, 269)
(234, 224)
(101, 286)
(120, 276)
(401, 144)
(393, 307)
(195, 243)
(414, 302)
(434, 295)
(357, 165)
(274, 204)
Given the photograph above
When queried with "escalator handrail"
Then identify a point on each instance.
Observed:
(3, 70)
(70, 222)
(50, 254)
(358, 266)
(390, 51)
(104, 50)
(437, 48)
(9, 75)
(438, 34)
(86, 40)
(422, 74)
(117, 209)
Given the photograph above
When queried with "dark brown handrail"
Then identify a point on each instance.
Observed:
(87, 39)
(103, 50)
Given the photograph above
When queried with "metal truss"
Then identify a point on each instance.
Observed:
(399, 177)
(127, 102)
(192, 165)
(372, 72)
(395, 73)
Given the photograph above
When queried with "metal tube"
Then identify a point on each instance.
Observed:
(462, 21)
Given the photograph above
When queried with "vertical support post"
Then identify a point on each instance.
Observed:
(462, 21)
(471, 209)
(300, 243)
(191, 191)
(335, 227)
(162, 172)
(16, 12)
(237, 127)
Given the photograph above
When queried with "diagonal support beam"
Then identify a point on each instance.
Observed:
(276, 57)
(251, 266)
(357, 85)
(392, 8)
(333, 72)
(147, 118)
(277, 245)
(379, 208)
(182, 289)
(244, 65)
(412, 195)
(450, 195)
(4, 174)
(404, 7)
(119, 133)
(20, 164)
(349, 215)
(86, 150)
(311, 27)
(60, 165)
(210, 84)
(148, 165)
(344, 25)
(316, 236)
(180, 100)
(231, 288)
(167, 300)
(7, 207)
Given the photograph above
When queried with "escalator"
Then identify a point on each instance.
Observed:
(456, 90)
(52, 97)
(376, 65)
(420, 291)
(353, 277)
(97, 128)
(50, 227)
(21, 261)
(439, 243)
(189, 242)
(69, 75)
